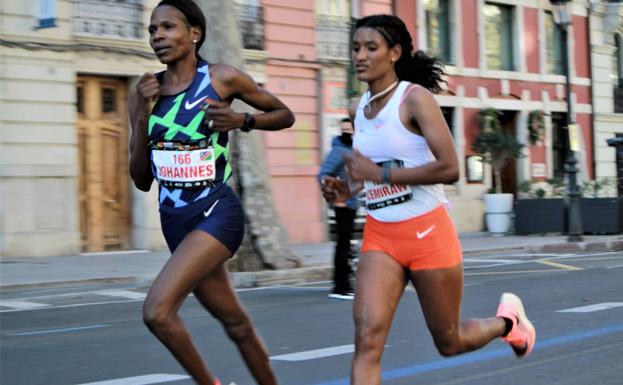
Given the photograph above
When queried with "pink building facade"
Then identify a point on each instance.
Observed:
(295, 72)
(310, 74)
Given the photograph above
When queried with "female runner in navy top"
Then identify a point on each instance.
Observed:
(180, 119)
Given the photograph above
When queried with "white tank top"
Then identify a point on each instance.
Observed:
(385, 139)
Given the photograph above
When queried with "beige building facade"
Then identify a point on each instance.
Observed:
(65, 70)
(606, 22)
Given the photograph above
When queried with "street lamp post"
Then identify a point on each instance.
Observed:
(561, 10)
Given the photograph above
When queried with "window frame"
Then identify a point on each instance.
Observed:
(446, 49)
(510, 60)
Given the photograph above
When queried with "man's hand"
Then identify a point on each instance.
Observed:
(335, 190)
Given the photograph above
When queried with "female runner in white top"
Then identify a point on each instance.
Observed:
(403, 153)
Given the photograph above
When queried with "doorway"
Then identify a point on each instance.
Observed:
(103, 158)
(509, 171)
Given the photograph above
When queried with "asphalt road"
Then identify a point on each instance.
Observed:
(94, 335)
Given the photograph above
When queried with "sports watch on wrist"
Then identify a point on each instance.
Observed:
(249, 122)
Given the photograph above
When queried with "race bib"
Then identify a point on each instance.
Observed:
(185, 169)
(379, 195)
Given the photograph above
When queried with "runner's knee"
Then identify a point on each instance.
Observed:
(447, 346)
(238, 328)
(156, 318)
(369, 336)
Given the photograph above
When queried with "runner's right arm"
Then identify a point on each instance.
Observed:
(139, 106)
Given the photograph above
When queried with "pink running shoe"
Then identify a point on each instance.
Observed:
(522, 335)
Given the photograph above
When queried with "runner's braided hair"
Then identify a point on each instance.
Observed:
(417, 67)
(194, 18)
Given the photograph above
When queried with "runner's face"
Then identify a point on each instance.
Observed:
(170, 36)
(372, 56)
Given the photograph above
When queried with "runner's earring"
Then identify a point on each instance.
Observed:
(210, 123)
(195, 41)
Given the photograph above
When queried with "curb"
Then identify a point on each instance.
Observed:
(60, 284)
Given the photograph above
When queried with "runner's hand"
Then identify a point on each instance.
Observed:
(148, 89)
(359, 168)
(335, 190)
(220, 117)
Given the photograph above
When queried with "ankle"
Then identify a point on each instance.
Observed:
(508, 325)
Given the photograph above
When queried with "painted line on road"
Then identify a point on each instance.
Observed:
(129, 294)
(557, 264)
(592, 308)
(64, 330)
(50, 307)
(142, 380)
(22, 305)
(316, 353)
(409, 371)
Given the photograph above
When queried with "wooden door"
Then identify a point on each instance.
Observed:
(102, 127)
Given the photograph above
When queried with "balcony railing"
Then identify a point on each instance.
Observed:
(251, 22)
(333, 37)
(109, 18)
(618, 100)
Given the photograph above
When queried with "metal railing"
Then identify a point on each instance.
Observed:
(251, 22)
(618, 100)
(108, 18)
(333, 37)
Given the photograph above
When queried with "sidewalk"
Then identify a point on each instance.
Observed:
(140, 267)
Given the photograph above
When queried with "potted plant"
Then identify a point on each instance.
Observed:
(600, 208)
(536, 126)
(541, 207)
(496, 146)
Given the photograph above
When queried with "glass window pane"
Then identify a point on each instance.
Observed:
(438, 28)
(109, 100)
(498, 37)
(617, 66)
(553, 46)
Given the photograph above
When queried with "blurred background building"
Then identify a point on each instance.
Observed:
(66, 67)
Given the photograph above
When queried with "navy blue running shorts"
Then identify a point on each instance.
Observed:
(219, 214)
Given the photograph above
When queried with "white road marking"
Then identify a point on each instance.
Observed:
(64, 330)
(129, 294)
(316, 353)
(592, 308)
(142, 380)
(72, 305)
(22, 305)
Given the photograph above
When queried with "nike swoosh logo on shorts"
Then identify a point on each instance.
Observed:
(193, 104)
(209, 211)
(425, 232)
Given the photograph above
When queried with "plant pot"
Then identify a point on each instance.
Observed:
(601, 215)
(539, 215)
(498, 209)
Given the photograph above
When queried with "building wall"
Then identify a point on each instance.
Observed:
(39, 169)
(471, 87)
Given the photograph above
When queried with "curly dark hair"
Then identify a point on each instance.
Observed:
(194, 17)
(416, 67)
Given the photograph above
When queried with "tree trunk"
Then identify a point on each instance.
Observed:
(265, 244)
(497, 171)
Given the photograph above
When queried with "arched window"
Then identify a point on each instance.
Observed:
(617, 73)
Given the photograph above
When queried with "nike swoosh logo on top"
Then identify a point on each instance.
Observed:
(209, 211)
(425, 232)
(193, 104)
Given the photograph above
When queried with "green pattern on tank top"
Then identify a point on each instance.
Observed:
(168, 120)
